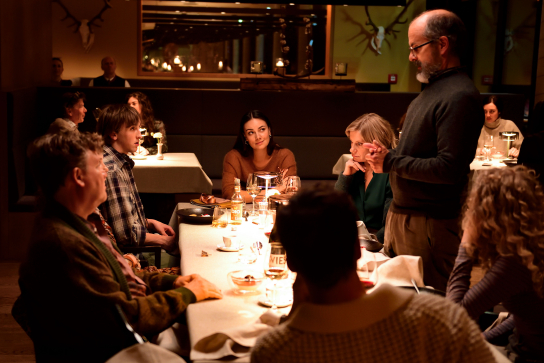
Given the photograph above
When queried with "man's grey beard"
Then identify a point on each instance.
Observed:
(427, 71)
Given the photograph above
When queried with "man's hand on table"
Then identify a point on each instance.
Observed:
(376, 155)
(202, 288)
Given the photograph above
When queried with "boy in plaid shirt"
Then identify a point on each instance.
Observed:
(123, 210)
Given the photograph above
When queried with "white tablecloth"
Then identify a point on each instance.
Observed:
(177, 173)
(208, 317)
(479, 164)
(475, 165)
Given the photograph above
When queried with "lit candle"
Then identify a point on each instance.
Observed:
(220, 66)
(164, 65)
(279, 63)
(191, 68)
(184, 68)
(169, 67)
(176, 60)
(198, 66)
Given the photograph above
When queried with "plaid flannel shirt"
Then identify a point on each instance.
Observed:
(123, 210)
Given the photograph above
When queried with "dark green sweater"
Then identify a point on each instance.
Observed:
(429, 168)
(372, 203)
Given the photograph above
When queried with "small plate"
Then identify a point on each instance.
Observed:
(137, 157)
(229, 249)
(265, 302)
(510, 162)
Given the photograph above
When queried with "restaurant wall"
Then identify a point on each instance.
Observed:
(520, 23)
(539, 91)
(117, 37)
(351, 44)
(25, 62)
(25, 43)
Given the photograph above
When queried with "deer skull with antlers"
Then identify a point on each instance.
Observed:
(378, 37)
(84, 26)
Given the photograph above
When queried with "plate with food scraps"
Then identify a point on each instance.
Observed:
(196, 215)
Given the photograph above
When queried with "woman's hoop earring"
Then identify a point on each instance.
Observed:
(269, 135)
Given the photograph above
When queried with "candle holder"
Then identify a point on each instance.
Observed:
(341, 69)
(509, 137)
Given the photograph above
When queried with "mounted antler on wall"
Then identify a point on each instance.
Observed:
(84, 26)
(379, 32)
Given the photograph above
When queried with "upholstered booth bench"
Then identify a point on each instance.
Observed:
(205, 122)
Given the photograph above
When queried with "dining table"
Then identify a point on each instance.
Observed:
(199, 246)
(177, 173)
(210, 316)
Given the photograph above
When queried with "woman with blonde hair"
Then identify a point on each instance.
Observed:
(504, 231)
(371, 192)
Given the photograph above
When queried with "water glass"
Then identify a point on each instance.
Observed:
(293, 184)
(247, 255)
(220, 217)
(263, 208)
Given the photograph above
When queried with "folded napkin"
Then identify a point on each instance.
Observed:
(235, 341)
(371, 260)
(399, 271)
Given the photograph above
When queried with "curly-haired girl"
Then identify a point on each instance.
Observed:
(504, 231)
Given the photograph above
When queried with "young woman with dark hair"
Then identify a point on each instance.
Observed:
(141, 103)
(495, 125)
(254, 150)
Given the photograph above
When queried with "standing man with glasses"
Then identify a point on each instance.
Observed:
(429, 168)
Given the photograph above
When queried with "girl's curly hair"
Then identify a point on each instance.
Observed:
(505, 214)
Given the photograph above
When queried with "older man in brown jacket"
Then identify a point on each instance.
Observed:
(73, 276)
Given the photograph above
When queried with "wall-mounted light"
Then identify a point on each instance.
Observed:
(256, 67)
(341, 69)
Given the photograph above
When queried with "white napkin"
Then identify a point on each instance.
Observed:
(236, 341)
(371, 259)
(399, 271)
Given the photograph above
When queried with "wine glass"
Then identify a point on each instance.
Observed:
(276, 268)
(488, 144)
(143, 131)
(253, 189)
(293, 184)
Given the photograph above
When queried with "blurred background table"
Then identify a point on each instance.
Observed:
(177, 173)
